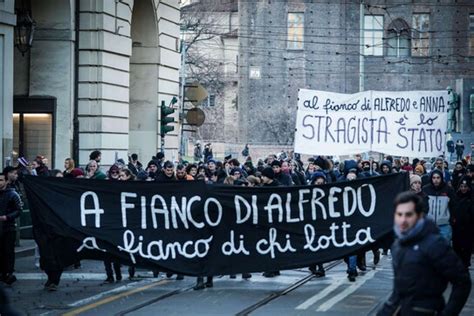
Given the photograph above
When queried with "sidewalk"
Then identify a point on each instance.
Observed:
(26, 248)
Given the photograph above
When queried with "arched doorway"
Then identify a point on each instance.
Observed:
(143, 110)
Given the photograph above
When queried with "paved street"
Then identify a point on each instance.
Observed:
(293, 293)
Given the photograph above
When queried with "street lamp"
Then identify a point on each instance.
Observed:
(24, 30)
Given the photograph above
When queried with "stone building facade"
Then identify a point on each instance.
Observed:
(287, 45)
(93, 79)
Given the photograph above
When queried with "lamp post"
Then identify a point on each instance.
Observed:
(24, 30)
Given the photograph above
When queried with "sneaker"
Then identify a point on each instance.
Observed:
(47, 284)
(209, 283)
(351, 277)
(233, 276)
(109, 280)
(9, 279)
(179, 277)
(199, 286)
(52, 287)
(320, 273)
(269, 274)
(246, 276)
(362, 267)
(169, 275)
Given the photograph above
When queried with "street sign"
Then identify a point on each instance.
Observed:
(195, 117)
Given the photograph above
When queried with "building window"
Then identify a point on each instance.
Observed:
(254, 72)
(420, 39)
(398, 39)
(373, 35)
(210, 100)
(295, 30)
(471, 34)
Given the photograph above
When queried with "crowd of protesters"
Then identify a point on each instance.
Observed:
(447, 194)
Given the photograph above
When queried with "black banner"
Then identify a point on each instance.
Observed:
(198, 229)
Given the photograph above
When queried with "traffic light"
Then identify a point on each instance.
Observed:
(166, 119)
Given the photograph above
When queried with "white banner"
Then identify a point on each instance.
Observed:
(402, 123)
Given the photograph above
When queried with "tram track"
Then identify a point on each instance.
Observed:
(154, 300)
(285, 291)
(266, 300)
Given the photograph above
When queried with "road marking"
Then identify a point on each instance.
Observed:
(72, 276)
(320, 295)
(349, 290)
(110, 299)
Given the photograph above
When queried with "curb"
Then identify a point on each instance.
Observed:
(24, 252)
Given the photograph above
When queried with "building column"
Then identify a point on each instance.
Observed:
(7, 23)
(105, 48)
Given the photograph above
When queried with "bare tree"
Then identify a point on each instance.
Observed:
(202, 24)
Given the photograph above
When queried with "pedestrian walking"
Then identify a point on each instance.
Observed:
(10, 210)
(423, 265)
(441, 202)
(463, 222)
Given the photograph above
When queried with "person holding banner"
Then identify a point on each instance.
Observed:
(423, 264)
(281, 177)
(268, 180)
(319, 178)
(353, 261)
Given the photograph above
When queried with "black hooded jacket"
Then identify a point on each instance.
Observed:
(11, 206)
(441, 200)
(423, 264)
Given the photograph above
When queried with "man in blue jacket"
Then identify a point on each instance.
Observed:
(10, 209)
(423, 264)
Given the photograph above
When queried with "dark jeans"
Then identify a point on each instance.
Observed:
(108, 268)
(54, 276)
(7, 252)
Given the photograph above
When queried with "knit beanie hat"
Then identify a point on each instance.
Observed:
(414, 178)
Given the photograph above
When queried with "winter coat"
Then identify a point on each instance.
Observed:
(197, 153)
(274, 183)
(207, 154)
(463, 219)
(441, 201)
(423, 264)
(457, 176)
(284, 179)
(99, 175)
(459, 147)
(135, 169)
(295, 179)
(11, 206)
(161, 177)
